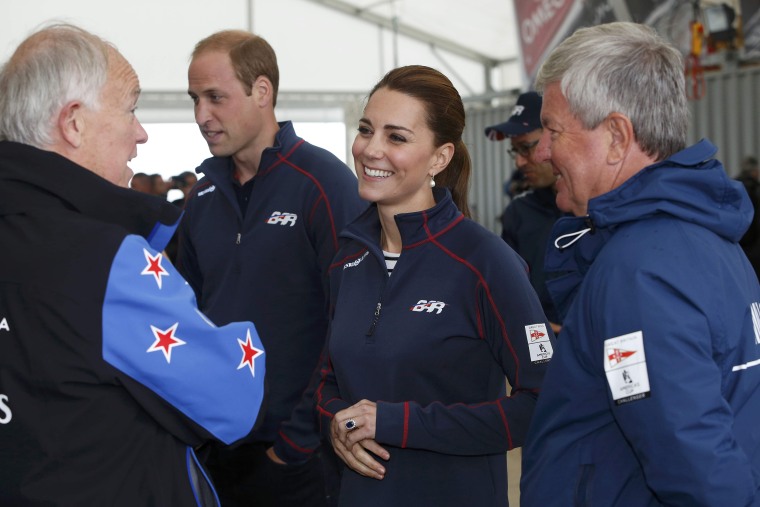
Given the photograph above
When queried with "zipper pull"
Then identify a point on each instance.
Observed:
(374, 320)
(237, 240)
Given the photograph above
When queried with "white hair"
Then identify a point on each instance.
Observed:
(52, 67)
(625, 68)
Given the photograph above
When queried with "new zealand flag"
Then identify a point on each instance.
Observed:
(154, 332)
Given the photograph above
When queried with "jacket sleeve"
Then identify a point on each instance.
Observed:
(670, 405)
(327, 397)
(298, 437)
(510, 319)
(335, 203)
(185, 371)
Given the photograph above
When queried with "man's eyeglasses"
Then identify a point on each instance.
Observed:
(524, 150)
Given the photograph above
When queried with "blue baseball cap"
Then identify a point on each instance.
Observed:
(526, 117)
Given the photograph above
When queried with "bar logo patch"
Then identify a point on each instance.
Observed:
(538, 343)
(626, 367)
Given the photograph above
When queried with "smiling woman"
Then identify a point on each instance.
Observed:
(413, 391)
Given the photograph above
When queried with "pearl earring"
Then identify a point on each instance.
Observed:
(432, 182)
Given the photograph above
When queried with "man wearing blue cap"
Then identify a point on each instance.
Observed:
(528, 219)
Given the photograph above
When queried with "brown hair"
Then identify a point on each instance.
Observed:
(445, 118)
(251, 56)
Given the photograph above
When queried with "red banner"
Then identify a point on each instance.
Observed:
(540, 23)
(545, 23)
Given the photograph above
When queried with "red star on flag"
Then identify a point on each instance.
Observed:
(154, 267)
(165, 340)
(616, 356)
(249, 353)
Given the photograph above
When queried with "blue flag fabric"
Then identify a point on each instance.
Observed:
(155, 334)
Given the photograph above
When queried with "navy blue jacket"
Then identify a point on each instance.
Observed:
(526, 226)
(109, 374)
(653, 396)
(432, 344)
(270, 267)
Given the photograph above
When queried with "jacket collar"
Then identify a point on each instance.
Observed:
(31, 178)
(415, 228)
(690, 185)
(422, 226)
(219, 169)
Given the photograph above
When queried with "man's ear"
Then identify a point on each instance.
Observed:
(71, 124)
(621, 134)
(263, 90)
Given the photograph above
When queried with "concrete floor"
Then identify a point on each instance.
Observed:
(514, 459)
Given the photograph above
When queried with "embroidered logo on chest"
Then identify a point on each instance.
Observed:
(282, 218)
(423, 305)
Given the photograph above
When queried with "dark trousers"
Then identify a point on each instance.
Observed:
(244, 476)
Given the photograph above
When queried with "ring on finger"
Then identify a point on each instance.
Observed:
(350, 425)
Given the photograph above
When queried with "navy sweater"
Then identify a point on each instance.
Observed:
(432, 345)
(270, 267)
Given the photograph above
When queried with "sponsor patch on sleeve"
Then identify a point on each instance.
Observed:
(538, 343)
(626, 367)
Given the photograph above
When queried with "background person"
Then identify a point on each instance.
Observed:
(528, 219)
(159, 186)
(141, 182)
(652, 396)
(418, 359)
(183, 182)
(102, 400)
(259, 232)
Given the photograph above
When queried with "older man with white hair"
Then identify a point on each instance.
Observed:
(653, 394)
(110, 377)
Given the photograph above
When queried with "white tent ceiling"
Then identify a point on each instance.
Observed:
(323, 46)
(330, 53)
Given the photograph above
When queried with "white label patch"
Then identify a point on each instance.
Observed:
(538, 343)
(626, 367)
